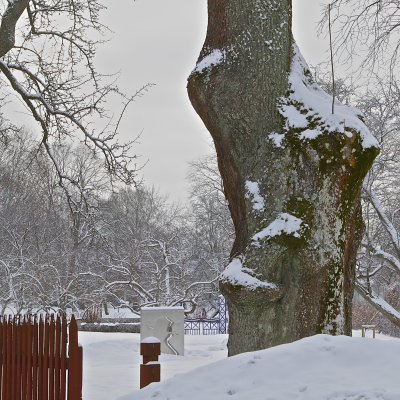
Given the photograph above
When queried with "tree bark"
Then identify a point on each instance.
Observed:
(294, 199)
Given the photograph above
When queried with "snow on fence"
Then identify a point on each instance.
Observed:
(34, 362)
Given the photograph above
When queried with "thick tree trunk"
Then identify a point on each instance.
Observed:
(292, 176)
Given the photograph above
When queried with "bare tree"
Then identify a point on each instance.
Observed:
(47, 48)
(373, 25)
(151, 254)
(212, 227)
(379, 264)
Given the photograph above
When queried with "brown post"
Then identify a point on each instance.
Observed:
(150, 349)
(51, 357)
(75, 366)
(29, 353)
(63, 366)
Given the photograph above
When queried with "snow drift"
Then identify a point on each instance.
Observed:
(321, 367)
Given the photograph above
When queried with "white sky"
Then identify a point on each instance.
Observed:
(159, 41)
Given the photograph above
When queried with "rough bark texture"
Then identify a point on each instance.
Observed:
(317, 181)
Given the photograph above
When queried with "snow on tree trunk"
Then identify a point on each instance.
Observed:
(292, 176)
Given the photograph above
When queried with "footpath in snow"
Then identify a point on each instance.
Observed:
(317, 368)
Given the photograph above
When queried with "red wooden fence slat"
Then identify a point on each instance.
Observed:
(10, 357)
(18, 359)
(13, 360)
(45, 365)
(75, 372)
(51, 358)
(57, 358)
(4, 346)
(5, 357)
(63, 358)
(29, 353)
(23, 358)
(80, 372)
(35, 359)
(40, 359)
(73, 368)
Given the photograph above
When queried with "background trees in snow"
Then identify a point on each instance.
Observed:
(83, 244)
(370, 28)
(47, 50)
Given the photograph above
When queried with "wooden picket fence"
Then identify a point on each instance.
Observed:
(40, 359)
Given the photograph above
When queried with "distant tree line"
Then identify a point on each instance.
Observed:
(86, 242)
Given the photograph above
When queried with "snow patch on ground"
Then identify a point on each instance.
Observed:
(321, 367)
(237, 274)
(284, 223)
(111, 361)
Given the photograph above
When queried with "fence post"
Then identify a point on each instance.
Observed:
(150, 371)
(75, 366)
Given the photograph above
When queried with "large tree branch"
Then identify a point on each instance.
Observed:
(115, 154)
(9, 21)
(384, 256)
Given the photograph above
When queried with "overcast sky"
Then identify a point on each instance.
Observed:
(159, 41)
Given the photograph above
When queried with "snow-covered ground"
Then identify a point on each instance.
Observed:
(317, 368)
(111, 361)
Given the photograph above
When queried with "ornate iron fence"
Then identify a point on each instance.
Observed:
(206, 326)
(194, 326)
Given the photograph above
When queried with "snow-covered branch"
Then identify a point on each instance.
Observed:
(380, 304)
(388, 225)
